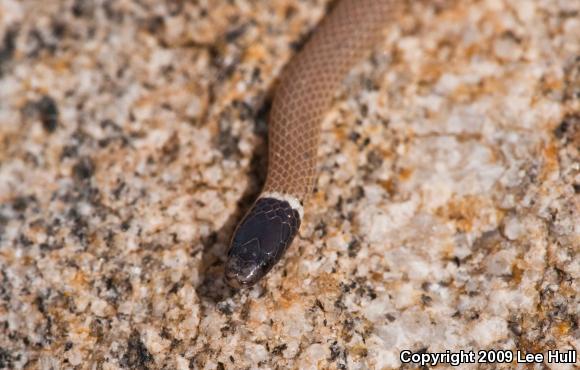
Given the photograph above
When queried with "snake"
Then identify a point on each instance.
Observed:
(304, 93)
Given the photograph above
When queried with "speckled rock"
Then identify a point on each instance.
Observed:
(132, 140)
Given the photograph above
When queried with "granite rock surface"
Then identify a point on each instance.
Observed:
(133, 138)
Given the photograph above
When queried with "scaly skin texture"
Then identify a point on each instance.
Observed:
(306, 88)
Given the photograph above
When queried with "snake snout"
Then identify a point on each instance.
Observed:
(245, 266)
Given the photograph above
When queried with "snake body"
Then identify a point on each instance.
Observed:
(306, 88)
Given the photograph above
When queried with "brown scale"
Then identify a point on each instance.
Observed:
(308, 84)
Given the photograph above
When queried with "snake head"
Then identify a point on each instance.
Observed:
(260, 241)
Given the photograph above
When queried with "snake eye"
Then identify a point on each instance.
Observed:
(260, 241)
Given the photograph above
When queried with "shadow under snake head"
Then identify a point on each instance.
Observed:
(260, 241)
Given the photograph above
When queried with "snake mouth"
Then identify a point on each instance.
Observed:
(260, 241)
(245, 265)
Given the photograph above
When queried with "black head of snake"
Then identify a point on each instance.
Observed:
(260, 240)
